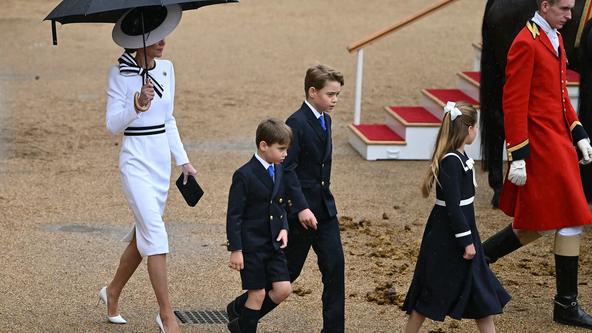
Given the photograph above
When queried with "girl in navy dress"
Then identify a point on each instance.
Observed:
(451, 276)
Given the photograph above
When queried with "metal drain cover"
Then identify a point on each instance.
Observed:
(202, 316)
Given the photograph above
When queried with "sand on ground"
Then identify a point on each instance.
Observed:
(62, 208)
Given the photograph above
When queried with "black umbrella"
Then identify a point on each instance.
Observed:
(109, 11)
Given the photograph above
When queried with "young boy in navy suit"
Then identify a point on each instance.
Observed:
(257, 226)
(313, 215)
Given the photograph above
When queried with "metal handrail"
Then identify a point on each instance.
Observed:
(396, 26)
(359, 47)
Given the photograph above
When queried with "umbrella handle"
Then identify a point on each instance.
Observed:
(145, 78)
(54, 33)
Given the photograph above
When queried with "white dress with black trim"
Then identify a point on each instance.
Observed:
(145, 158)
(444, 283)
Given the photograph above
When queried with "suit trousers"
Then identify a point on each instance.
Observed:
(326, 243)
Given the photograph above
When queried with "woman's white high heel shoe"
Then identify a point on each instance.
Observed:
(103, 298)
(159, 323)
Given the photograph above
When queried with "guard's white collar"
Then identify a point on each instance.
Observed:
(538, 19)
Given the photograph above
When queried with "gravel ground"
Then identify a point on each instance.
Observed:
(63, 212)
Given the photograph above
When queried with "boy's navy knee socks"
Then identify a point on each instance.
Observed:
(234, 308)
(248, 320)
(267, 307)
(240, 301)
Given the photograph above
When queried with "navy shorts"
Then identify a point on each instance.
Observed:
(262, 268)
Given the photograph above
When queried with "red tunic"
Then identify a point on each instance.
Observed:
(542, 127)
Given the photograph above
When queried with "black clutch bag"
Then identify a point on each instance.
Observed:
(191, 191)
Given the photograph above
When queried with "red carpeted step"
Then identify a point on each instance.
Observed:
(573, 78)
(473, 77)
(441, 96)
(377, 133)
(413, 115)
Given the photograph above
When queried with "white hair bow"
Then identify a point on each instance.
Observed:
(454, 111)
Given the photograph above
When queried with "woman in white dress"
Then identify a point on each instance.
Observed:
(144, 114)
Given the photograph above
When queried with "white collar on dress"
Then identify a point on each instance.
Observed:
(467, 165)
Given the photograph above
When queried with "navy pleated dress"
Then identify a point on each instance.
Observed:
(444, 283)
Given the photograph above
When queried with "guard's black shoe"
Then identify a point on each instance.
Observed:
(233, 326)
(566, 310)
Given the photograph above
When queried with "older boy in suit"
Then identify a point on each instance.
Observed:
(257, 226)
(313, 215)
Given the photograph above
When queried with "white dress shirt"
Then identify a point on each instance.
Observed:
(263, 162)
(316, 113)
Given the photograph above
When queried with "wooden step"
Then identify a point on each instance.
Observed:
(376, 142)
(412, 123)
(573, 88)
(468, 82)
(573, 78)
(474, 78)
(442, 96)
(413, 116)
(477, 56)
(377, 134)
(435, 99)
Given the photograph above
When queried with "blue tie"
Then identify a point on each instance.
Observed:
(322, 121)
(271, 172)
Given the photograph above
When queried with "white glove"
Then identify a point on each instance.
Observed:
(586, 149)
(517, 174)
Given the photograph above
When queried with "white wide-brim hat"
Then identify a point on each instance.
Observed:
(159, 22)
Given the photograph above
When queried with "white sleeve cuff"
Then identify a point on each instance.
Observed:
(462, 234)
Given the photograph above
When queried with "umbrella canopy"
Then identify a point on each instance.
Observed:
(109, 11)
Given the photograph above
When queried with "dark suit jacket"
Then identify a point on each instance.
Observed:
(308, 165)
(256, 208)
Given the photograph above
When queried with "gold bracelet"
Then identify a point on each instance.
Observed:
(137, 105)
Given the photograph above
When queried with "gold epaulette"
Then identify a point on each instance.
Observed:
(534, 29)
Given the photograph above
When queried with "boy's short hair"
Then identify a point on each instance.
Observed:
(272, 131)
(317, 76)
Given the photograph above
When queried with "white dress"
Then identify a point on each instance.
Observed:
(145, 157)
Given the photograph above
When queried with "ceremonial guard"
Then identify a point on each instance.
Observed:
(543, 190)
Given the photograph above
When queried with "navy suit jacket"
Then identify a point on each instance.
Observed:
(256, 208)
(307, 167)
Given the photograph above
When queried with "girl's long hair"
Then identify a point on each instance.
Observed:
(451, 136)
